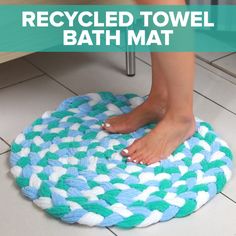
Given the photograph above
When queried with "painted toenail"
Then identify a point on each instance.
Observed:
(129, 158)
(126, 151)
(107, 125)
(141, 162)
(134, 161)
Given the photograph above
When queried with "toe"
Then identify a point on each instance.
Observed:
(108, 126)
(125, 152)
(141, 158)
(134, 147)
(128, 159)
(129, 151)
(145, 158)
(135, 157)
(141, 161)
(151, 159)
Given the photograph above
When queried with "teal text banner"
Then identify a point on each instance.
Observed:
(116, 28)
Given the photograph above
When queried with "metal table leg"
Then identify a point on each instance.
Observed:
(214, 2)
(130, 63)
(130, 58)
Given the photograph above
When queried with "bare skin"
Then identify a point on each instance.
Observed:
(145, 113)
(160, 142)
(152, 110)
(170, 100)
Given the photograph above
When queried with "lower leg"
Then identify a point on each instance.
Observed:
(179, 72)
(159, 83)
(178, 123)
(151, 110)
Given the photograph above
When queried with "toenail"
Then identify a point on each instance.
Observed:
(134, 161)
(107, 125)
(129, 158)
(126, 151)
(141, 162)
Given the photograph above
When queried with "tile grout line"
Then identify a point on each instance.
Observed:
(215, 67)
(5, 142)
(199, 92)
(140, 59)
(2, 153)
(20, 82)
(211, 63)
(208, 61)
(224, 70)
(229, 198)
(8, 145)
(111, 231)
(204, 61)
(232, 112)
(50, 76)
(222, 57)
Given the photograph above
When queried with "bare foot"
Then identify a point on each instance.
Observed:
(149, 111)
(161, 141)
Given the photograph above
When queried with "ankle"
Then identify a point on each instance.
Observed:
(185, 118)
(159, 99)
(162, 95)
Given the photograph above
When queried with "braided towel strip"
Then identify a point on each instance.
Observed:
(73, 170)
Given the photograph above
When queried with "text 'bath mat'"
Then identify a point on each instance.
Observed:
(73, 170)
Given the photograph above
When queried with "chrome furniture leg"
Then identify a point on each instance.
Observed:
(130, 63)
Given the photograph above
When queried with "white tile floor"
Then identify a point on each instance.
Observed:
(16, 71)
(211, 56)
(22, 103)
(227, 64)
(39, 82)
(3, 146)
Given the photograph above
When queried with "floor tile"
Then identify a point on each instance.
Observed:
(23, 103)
(227, 64)
(206, 56)
(222, 120)
(92, 72)
(3, 147)
(16, 71)
(211, 56)
(211, 83)
(216, 88)
(145, 56)
(216, 71)
(9, 56)
(224, 124)
(20, 217)
(229, 189)
(207, 221)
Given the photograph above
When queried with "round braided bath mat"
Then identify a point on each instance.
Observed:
(73, 170)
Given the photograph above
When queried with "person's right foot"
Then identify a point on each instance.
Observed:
(161, 141)
(149, 111)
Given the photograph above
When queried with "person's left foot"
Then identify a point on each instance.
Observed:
(161, 141)
(151, 110)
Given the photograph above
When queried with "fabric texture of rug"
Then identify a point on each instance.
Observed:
(73, 170)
